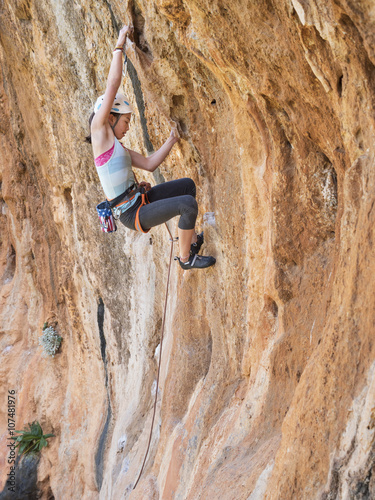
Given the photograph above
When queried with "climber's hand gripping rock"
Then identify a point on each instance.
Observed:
(175, 131)
(124, 32)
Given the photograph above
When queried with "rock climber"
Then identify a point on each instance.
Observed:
(109, 124)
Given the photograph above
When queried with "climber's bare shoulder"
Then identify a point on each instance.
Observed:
(102, 139)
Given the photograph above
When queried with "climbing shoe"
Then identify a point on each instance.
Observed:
(197, 262)
(195, 247)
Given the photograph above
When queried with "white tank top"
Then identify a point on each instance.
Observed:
(116, 175)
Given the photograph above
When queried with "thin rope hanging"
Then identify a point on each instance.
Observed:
(172, 240)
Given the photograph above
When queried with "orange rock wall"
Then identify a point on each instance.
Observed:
(267, 383)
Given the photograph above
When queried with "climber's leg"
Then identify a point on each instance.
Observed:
(184, 240)
(162, 210)
(168, 200)
(171, 189)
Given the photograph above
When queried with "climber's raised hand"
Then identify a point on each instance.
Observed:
(175, 134)
(124, 32)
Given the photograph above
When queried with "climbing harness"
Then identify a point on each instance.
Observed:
(109, 213)
(172, 240)
(137, 223)
(120, 204)
(110, 210)
(116, 201)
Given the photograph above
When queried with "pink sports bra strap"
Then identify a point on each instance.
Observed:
(104, 157)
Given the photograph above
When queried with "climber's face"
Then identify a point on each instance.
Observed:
(122, 126)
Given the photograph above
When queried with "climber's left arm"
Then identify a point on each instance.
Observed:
(152, 162)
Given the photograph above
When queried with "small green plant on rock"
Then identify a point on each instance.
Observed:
(50, 340)
(32, 439)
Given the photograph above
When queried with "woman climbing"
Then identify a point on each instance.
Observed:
(140, 207)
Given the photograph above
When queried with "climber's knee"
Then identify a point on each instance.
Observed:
(190, 187)
(188, 211)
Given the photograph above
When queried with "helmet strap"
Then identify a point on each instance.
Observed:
(113, 126)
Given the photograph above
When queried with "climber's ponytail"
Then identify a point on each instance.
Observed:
(88, 138)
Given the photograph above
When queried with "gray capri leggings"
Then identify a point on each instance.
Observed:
(166, 201)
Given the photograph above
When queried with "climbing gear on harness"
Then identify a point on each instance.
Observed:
(195, 247)
(196, 262)
(124, 204)
(119, 198)
(107, 222)
(110, 211)
(172, 240)
(120, 104)
(121, 207)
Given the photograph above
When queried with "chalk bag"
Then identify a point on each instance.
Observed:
(107, 222)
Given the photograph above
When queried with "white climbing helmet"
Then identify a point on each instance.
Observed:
(120, 105)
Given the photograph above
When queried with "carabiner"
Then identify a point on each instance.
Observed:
(125, 66)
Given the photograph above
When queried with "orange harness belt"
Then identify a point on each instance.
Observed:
(137, 224)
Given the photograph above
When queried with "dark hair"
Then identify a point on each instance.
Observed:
(88, 137)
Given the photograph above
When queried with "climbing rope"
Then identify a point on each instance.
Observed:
(172, 240)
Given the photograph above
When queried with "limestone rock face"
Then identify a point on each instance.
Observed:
(267, 384)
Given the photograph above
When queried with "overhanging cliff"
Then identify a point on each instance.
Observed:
(267, 383)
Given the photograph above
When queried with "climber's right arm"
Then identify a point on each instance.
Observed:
(113, 83)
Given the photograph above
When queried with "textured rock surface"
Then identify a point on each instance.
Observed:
(267, 384)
